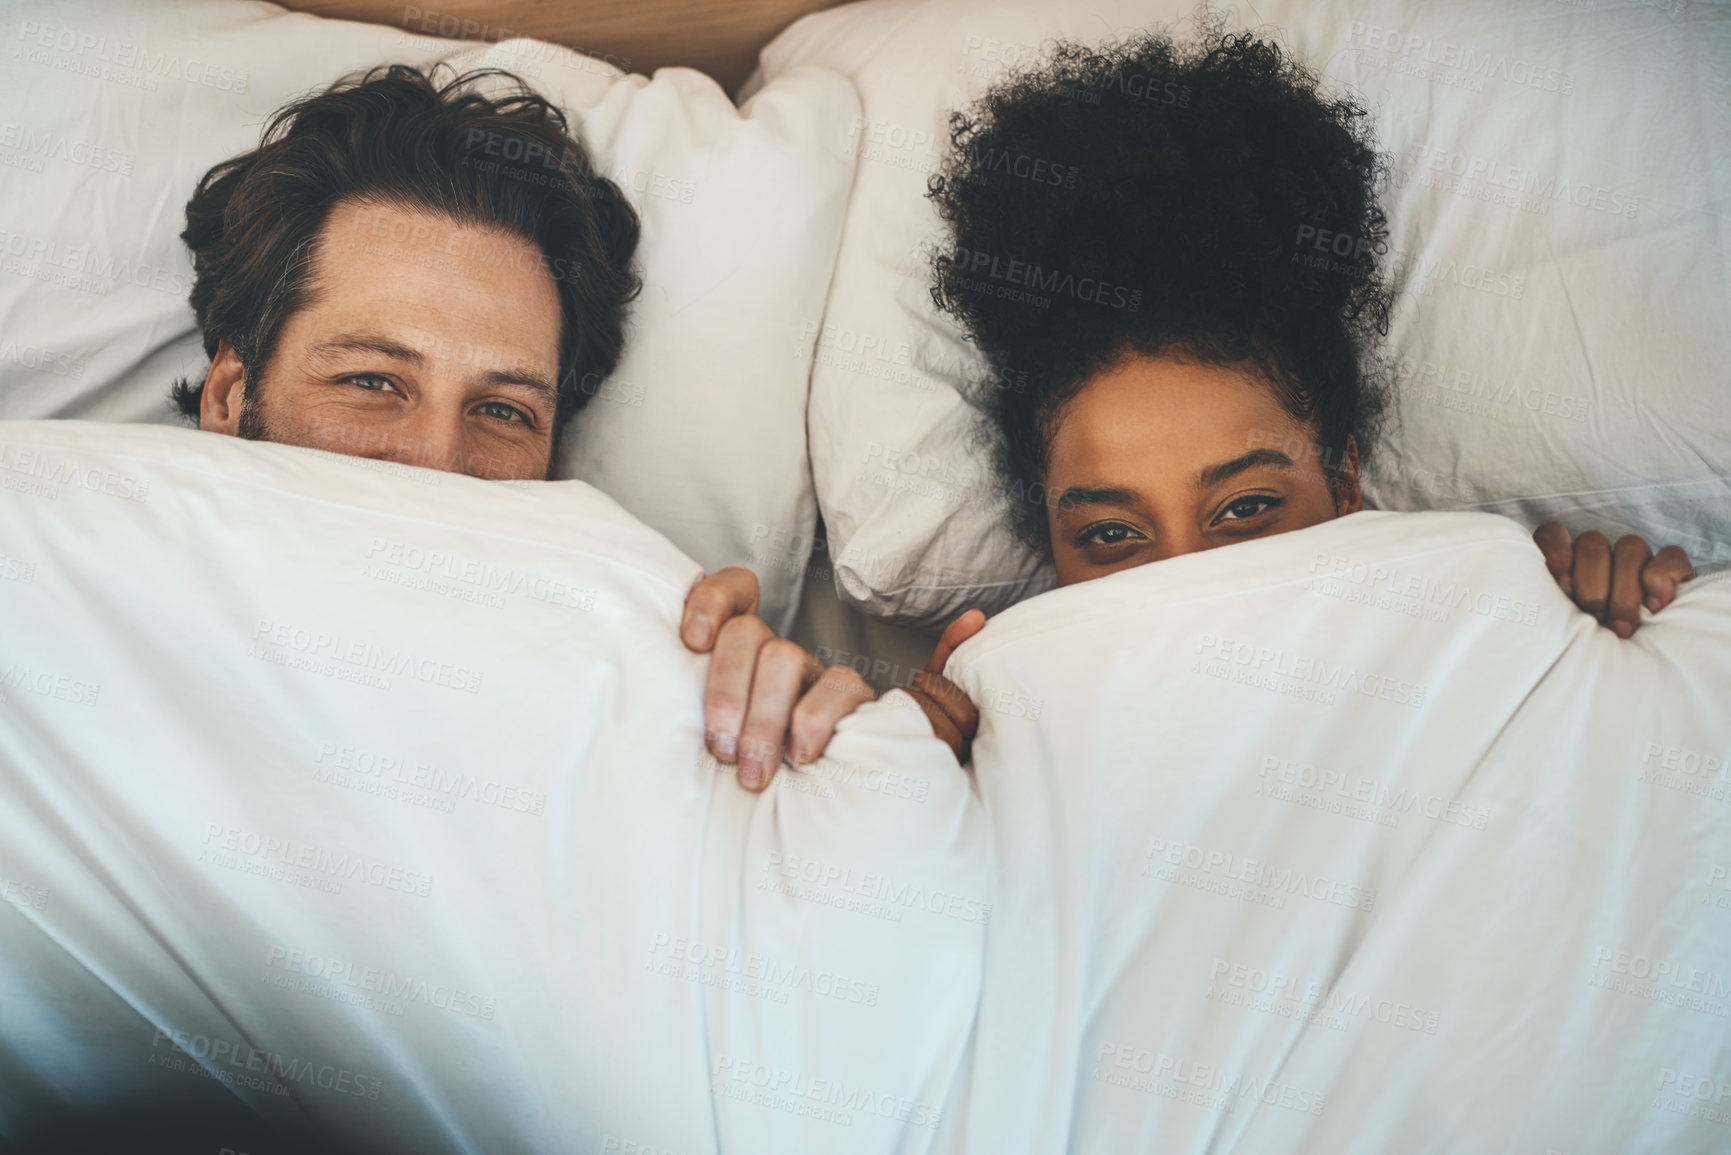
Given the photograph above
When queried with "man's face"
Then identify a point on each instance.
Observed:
(424, 342)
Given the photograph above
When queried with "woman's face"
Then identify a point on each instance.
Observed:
(1158, 457)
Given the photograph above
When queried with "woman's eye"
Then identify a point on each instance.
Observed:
(1244, 508)
(1108, 533)
(504, 412)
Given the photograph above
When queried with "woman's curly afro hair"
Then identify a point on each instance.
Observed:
(1149, 198)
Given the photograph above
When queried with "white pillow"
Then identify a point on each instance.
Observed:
(115, 108)
(1561, 358)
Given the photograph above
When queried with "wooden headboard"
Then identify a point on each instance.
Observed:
(720, 37)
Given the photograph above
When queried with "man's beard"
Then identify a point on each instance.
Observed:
(253, 426)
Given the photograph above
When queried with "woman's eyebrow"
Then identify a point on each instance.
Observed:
(1086, 495)
(1214, 474)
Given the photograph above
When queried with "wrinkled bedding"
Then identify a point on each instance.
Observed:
(375, 797)
(374, 800)
(1359, 838)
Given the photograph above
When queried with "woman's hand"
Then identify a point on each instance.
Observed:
(765, 693)
(1613, 583)
(954, 718)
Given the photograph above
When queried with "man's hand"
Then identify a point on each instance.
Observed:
(764, 693)
(1613, 583)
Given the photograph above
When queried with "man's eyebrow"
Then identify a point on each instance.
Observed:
(1214, 474)
(369, 343)
(374, 343)
(522, 378)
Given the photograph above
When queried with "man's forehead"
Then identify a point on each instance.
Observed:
(424, 284)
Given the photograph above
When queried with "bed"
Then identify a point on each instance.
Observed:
(388, 825)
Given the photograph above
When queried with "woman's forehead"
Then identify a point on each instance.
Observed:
(1160, 415)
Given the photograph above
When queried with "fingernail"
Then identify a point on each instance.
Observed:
(751, 774)
(726, 745)
(801, 752)
(1621, 628)
(1653, 602)
(699, 631)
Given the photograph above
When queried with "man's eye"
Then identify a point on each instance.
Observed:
(1106, 533)
(372, 382)
(1244, 508)
(503, 412)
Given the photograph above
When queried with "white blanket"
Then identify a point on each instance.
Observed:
(375, 796)
(1360, 838)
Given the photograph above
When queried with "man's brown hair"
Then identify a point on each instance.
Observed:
(403, 137)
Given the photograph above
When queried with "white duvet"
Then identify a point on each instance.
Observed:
(375, 798)
(376, 793)
(1360, 838)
